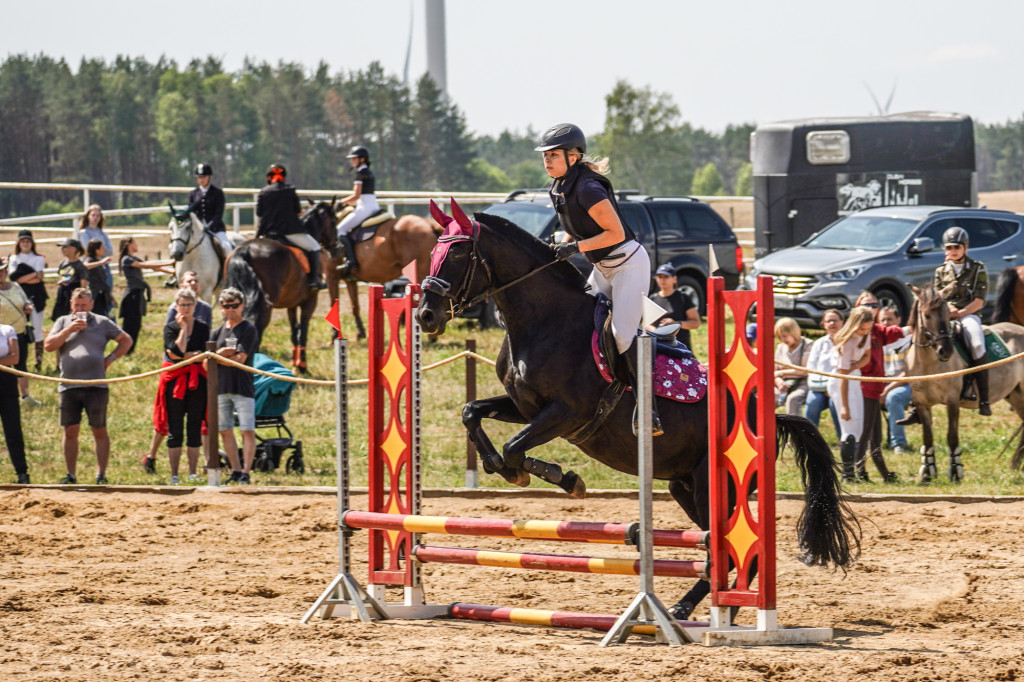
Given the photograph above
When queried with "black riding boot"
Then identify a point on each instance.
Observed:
(983, 407)
(912, 417)
(314, 270)
(345, 241)
(656, 430)
(848, 453)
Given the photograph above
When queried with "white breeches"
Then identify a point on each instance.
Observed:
(303, 241)
(366, 206)
(625, 281)
(222, 237)
(975, 335)
(855, 400)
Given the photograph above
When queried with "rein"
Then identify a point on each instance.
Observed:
(457, 302)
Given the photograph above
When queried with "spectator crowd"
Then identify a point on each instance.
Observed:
(86, 340)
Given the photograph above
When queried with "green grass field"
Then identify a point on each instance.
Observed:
(311, 418)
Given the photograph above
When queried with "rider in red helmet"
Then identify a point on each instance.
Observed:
(278, 208)
(584, 200)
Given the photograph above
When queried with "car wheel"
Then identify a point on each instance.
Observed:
(888, 298)
(691, 288)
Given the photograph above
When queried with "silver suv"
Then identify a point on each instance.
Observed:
(882, 250)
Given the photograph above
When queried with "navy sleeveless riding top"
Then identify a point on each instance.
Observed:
(365, 176)
(573, 195)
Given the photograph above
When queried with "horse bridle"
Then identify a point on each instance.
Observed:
(443, 288)
(186, 241)
(932, 339)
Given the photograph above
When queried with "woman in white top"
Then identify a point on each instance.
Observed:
(853, 347)
(823, 358)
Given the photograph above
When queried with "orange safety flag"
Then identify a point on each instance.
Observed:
(333, 319)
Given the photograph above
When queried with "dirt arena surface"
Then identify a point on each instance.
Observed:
(211, 585)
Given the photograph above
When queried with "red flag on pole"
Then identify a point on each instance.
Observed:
(333, 319)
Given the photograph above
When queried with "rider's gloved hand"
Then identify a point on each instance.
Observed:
(563, 250)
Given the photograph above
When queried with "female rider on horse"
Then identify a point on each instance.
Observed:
(967, 280)
(278, 208)
(362, 198)
(207, 200)
(585, 203)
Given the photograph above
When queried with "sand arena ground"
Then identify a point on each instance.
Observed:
(211, 585)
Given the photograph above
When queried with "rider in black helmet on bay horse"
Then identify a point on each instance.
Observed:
(278, 208)
(584, 200)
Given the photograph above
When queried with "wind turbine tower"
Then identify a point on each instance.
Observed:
(437, 60)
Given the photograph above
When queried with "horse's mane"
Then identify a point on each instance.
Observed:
(927, 297)
(524, 241)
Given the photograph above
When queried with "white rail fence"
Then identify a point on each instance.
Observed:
(391, 199)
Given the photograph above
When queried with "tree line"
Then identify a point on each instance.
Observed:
(130, 121)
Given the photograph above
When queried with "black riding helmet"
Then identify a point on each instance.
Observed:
(359, 152)
(566, 136)
(202, 169)
(955, 235)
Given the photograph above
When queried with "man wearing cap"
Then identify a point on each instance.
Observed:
(207, 202)
(80, 340)
(751, 333)
(680, 308)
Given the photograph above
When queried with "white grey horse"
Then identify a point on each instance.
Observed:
(194, 248)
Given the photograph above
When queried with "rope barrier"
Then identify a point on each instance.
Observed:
(911, 379)
(229, 363)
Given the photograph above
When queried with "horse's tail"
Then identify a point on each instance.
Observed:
(1005, 289)
(828, 530)
(242, 276)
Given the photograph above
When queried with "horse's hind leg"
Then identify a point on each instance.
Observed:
(1016, 400)
(693, 498)
(956, 467)
(353, 298)
(502, 409)
(544, 428)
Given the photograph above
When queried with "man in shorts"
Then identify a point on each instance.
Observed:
(236, 340)
(80, 340)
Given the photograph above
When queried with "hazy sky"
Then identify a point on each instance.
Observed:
(530, 63)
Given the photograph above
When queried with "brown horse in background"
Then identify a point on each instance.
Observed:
(269, 275)
(381, 258)
(1010, 297)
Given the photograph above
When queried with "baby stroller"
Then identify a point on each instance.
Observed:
(273, 398)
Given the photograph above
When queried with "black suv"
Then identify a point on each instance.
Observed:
(674, 230)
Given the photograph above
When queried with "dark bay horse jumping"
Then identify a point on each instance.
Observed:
(381, 258)
(270, 276)
(553, 387)
(932, 353)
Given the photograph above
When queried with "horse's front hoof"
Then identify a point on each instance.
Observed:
(517, 477)
(573, 484)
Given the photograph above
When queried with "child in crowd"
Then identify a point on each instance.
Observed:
(794, 348)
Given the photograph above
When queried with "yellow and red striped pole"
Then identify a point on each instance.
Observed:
(556, 619)
(565, 531)
(670, 568)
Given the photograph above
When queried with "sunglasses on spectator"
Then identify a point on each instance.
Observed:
(870, 305)
(230, 306)
(950, 247)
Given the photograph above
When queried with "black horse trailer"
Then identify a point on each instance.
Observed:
(809, 172)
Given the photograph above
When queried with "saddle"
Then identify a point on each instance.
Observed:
(995, 349)
(368, 227)
(300, 255)
(677, 375)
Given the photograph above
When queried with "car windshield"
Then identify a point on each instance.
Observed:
(863, 233)
(533, 218)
